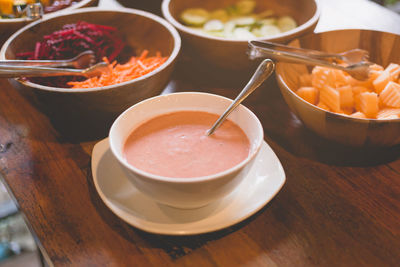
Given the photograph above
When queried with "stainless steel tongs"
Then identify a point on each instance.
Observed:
(354, 62)
(43, 71)
(82, 63)
(83, 60)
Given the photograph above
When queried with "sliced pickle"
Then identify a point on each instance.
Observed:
(216, 34)
(244, 21)
(195, 16)
(286, 23)
(269, 21)
(243, 34)
(213, 25)
(268, 30)
(229, 28)
(245, 7)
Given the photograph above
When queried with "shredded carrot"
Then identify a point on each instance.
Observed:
(118, 73)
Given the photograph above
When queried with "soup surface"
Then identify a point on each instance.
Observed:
(176, 145)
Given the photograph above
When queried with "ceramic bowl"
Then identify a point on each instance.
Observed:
(9, 26)
(383, 49)
(229, 53)
(185, 192)
(97, 108)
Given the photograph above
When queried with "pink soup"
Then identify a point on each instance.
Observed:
(175, 145)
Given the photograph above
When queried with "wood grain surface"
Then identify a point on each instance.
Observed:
(339, 207)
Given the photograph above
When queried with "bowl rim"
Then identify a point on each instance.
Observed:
(58, 12)
(186, 180)
(174, 33)
(282, 82)
(313, 20)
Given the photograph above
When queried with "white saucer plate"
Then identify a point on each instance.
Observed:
(264, 181)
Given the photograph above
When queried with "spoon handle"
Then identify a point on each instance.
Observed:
(263, 71)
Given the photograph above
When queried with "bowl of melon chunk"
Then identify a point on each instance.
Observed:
(360, 113)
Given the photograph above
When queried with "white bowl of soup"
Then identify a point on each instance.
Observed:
(162, 146)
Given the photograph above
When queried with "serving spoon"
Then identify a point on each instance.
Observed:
(263, 71)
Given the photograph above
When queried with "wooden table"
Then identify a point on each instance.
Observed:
(339, 207)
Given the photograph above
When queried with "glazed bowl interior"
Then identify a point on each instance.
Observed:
(383, 49)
